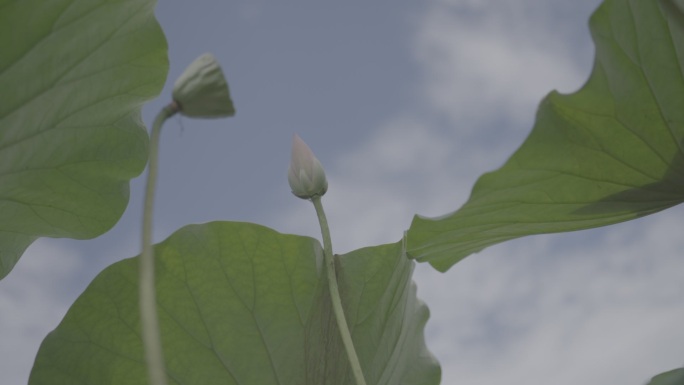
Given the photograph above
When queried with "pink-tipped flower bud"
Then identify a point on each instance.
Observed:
(202, 91)
(306, 174)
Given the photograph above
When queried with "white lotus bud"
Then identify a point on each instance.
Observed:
(202, 91)
(306, 174)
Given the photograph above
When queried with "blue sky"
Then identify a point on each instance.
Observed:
(405, 106)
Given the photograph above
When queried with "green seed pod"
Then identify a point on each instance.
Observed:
(202, 91)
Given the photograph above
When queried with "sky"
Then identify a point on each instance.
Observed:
(405, 106)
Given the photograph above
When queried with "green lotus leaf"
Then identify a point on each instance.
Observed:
(242, 304)
(73, 76)
(608, 153)
(673, 377)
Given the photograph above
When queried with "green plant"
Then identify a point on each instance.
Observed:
(240, 303)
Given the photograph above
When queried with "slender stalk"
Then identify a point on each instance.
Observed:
(148, 298)
(335, 294)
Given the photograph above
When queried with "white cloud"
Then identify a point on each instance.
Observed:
(592, 308)
(33, 299)
(488, 60)
(376, 187)
(487, 64)
(600, 307)
(539, 311)
(37, 293)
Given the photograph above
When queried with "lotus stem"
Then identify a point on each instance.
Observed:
(149, 320)
(335, 294)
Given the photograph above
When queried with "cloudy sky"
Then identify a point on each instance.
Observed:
(405, 106)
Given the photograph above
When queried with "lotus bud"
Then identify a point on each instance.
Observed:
(306, 174)
(202, 91)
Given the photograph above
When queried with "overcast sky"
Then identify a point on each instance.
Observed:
(405, 106)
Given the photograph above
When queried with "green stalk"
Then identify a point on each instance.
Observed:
(148, 298)
(335, 294)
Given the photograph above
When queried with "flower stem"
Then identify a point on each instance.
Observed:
(335, 294)
(147, 294)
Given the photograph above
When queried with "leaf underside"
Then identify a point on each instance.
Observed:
(243, 304)
(73, 76)
(608, 153)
